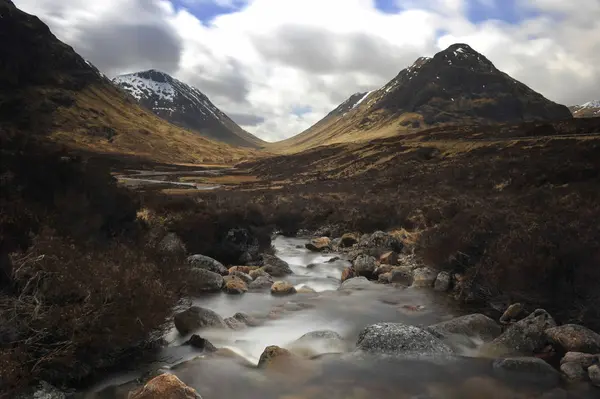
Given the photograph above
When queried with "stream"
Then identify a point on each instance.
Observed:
(334, 371)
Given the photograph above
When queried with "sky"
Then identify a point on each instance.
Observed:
(278, 66)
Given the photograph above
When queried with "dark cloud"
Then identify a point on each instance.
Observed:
(246, 119)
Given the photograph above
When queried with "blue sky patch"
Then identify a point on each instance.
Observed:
(301, 110)
(207, 10)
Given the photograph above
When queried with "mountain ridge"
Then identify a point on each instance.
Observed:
(590, 109)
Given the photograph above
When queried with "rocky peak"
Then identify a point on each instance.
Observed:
(589, 109)
(155, 75)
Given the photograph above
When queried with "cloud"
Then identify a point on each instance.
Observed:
(263, 60)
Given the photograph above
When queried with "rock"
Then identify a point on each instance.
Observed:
(584, 359)
(243, 269)
(276, 267)
(306, 290)
(400, 339)
(348, 240)
(512, 313)
(401, 275)
(322, 334)
(356, 283)
(196, 317)
(384, 278)
(234, 285)
(171, 244)
(43, 390)
(165, 386)
(574, 371)
(271, 354)
(594, 374)
(524, 337)
(246, 319)
(529, 369)
(234, 324)
(334, 259)
(328, 231)
(382, 269)
(364, 265)
(423, 277)
(319, 244)
(202, 280)
(260, 272)
(282, 288)
(348, 273)
(318, 342)
(473, 325)
(389, 258)
(381, 242)
(574, 338)
(442, 282)
(242, 276)
(261, 283)
(204, 262)
(200, 343)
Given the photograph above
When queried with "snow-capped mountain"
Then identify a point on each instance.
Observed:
(587, 110)
(185, 106)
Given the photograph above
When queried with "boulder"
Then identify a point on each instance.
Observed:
(322, 334)
(526, 369)
(246, 319)
(281, 288)
(584, 359)
(319, 244)
(384, 278)
(594, 374)
(243, 269)
(165, 386)
(332, 260)
(524, 337)
(348, 240)
(198, 342)
(318, 342)
(402, 275)
(382, 269)
(276, 267)
(196, 317)
(202, 280)
(364, 265)
(574, 372)
(574, 338)
(242, 276)
(171, 244)
(356, 284)
(305, 289)
(400, 339)
(423, 277)
(381, 242)
(234, 324)
(348, 273)
(234, 285)
(273, 354)
(442, 282)
(204, 262)
(389, 258)
(473, 325)
(513, 312)
(261, 283)
(258, 273)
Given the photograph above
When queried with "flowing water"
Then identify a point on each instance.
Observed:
(325, 369)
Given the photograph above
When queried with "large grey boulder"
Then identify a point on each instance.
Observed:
(574, 365)
(526, 369)
(205, 262)
(400, 340)
(574, 338)
(276, 267)
(321, 334)
(365, 265)
(356, 283)
(261, 283)
(523, 337)
(473, 325)
(424, 277)
(203, 280)
(196, 317)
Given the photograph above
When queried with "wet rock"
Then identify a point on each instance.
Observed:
(594, 374)
(442, 282)
(322, 334)
(473, 325)
(348, 240)
(526, 369)
(281, 288)
(271, 354)
(574, 371)
(202, 280)
(384, 278)
(356, 283)
(524, 337)
(319, 244)
(364, 265)
(584, 359)
(334, 259)
(246, 319)
(242, 276)
(243, 269)
(276, 267)
(261, 283)
(389, 258)
(234, 324)
(574, 338)
(260, 272)
(400, 339)
(423, 277)
(382, 269)
(348, 273)
(196, 317)
(204, 262)
(198, 342)
(171, 244)
(165, 386)
(513, 312)
(306, 290)
(402, 275)
(43, 390)
(234, 285)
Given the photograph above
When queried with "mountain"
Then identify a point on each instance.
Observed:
(456, 86)
(185, 106)
(48, 90)
(588, 110)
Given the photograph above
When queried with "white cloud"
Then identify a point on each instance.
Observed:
(272, 56)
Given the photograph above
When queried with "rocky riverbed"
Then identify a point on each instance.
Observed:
(354, 317)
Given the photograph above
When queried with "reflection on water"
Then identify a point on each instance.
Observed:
(232, 374)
